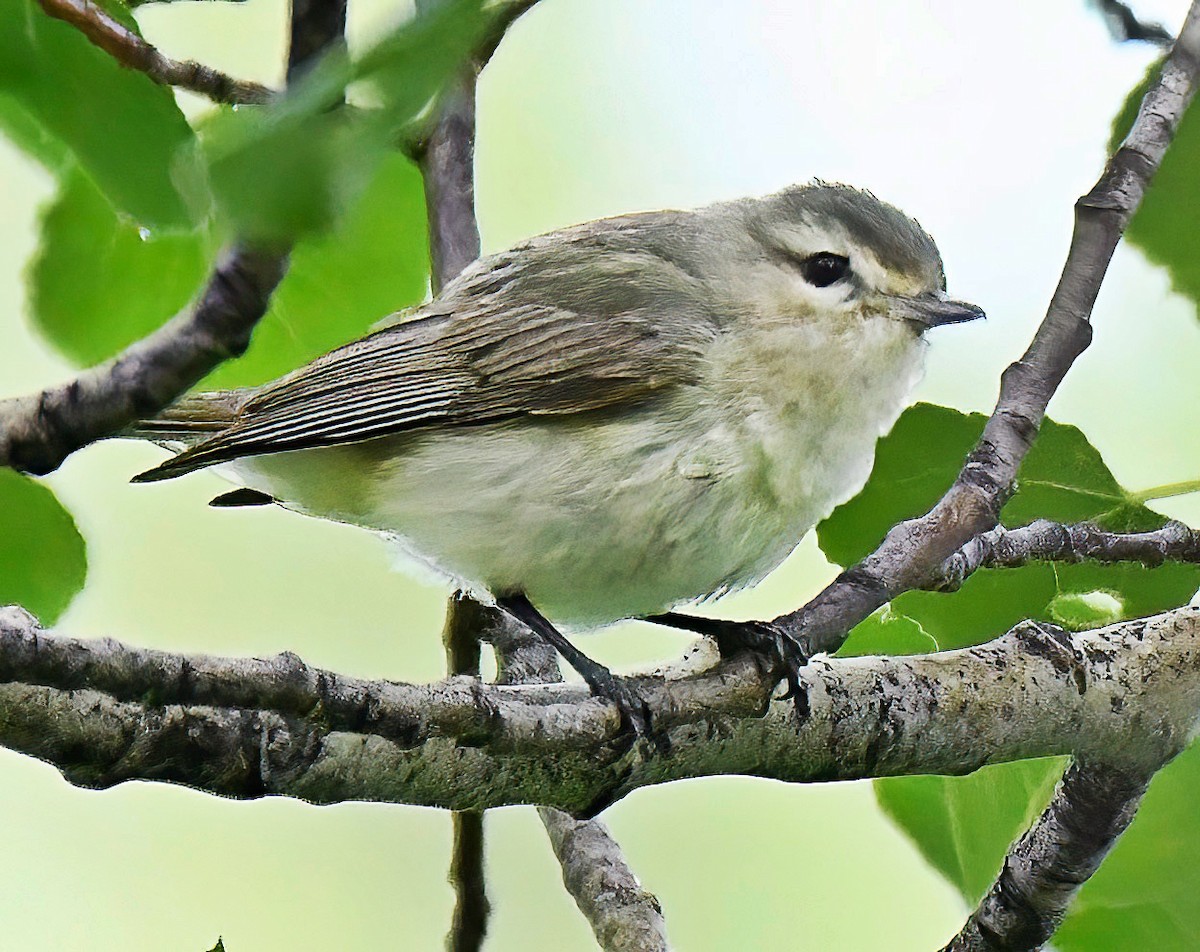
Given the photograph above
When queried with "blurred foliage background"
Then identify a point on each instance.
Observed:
(984, 121)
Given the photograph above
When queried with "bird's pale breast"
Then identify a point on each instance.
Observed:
(598, 518)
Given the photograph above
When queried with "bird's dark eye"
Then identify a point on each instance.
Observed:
(824, 268)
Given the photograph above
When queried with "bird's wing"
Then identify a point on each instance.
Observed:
(561, 325)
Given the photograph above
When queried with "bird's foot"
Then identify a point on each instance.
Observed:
(777, 649)
(634, 710)
(633, 707)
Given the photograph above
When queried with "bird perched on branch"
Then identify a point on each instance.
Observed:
(608, 421)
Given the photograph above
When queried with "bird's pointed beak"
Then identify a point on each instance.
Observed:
(933, 310)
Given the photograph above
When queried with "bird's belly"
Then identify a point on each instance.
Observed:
(594, 521)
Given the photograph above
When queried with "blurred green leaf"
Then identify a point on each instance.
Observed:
(1146, 895)
(965, 825)
(123, 129)
(1164, 227)
(338, 285)
(294, 168)
(99, 282)
(42, 556)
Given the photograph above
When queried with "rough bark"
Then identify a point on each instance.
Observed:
(1127, 696)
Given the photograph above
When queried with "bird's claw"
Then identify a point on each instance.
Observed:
(634, 710)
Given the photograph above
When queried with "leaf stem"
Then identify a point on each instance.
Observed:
(1167, 490)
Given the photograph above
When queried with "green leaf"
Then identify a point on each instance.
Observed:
(887, 632)
(1146, 895)
(122, 128)
(914, 465)
(338, 285)
(965, 825)
(42, 556)
(294, 168)
(1063, 478)
(1165, 224)
(98, 282)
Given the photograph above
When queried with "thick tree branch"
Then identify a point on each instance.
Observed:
(913, 552)
(1092, 806)
(131, 50)
(1127, 696)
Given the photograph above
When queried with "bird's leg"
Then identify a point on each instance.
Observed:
(635, 713)
(776, 647)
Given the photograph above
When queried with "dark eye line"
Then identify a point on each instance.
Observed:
(824, 268)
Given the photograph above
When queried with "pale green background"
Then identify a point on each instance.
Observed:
(986, 121)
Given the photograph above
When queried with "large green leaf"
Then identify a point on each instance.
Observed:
(99, 282)
(42, 556)
(1165, 224)
(123, 129)
(339, 284)
(964, 825)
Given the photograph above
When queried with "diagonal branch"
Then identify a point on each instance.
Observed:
(624, 917)
(1092, 806)
(913, 552)
(39, 431)
(131, 50)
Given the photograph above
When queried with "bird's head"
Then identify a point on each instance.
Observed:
(840, 253)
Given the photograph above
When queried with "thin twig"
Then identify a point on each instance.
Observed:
(623, 916)
(1045, 541)
(1092, 806)
(131, 50)
(913, 551)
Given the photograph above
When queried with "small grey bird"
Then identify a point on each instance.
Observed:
(612, 420)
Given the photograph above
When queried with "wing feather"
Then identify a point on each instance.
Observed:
(552, 327)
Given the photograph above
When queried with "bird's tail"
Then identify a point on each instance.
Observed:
(190, 419)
